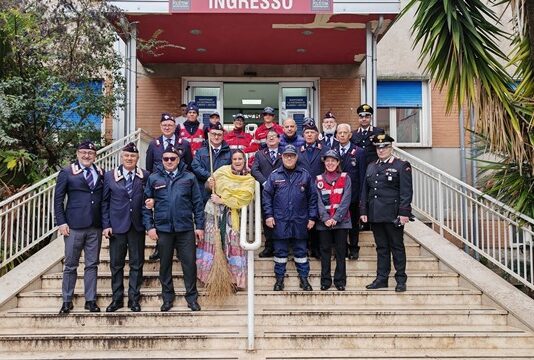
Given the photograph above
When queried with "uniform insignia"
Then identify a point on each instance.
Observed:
(353, 163)
(158, 143)
(117, 175)
(353, 152)
(392, 170)
(157, 187)
(75, 169)
(302, 189)
(320, 185)
(408, 169)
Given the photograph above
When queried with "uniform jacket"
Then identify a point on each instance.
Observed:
(158, 145)
(341, 215)
(201, 164)
(291, 199)
(353, 162)
(119, 210)
(296, 140)
(363, 139)
(314, 165)
(322, 139)
(387, 191)
(192, 132)
(237, 139)
(260, 135)
(262, 166)
(83, 207)
(178, 201)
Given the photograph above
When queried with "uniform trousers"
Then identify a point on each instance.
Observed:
(389, 241)
(314, 242)
(300, 256)
(354, 232)
(88, 240)
(184, 242)
(134, 242)
(336, 238)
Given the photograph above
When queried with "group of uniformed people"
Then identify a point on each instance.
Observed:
(317, 190)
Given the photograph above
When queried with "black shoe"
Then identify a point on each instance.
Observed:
(267, 252)
(134, 306)
(66, 307)
(115, 305)
(340, 287)
(155, 255)
(91, 306)
(167, 305)
(325, 287)
(377, 284)
(354, 255)
(279, 285)
(304, 284)
(400, 288)
(194, 306)
(316, 255)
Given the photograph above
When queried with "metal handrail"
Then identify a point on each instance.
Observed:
(27, 218)
(487, 227)
(255, 208)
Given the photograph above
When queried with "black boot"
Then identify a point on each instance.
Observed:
(304, 284)
(268, 251)
(279, 285)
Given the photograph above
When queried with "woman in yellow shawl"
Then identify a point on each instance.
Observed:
(234, 188)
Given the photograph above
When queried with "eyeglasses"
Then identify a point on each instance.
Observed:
(167, 125)
(87, 153)
(364, 116)
(216, 134)
(170, 158)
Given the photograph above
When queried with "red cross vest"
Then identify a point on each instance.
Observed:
(331, 194)
(196, 139)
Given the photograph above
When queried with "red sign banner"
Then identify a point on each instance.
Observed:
(252, 6)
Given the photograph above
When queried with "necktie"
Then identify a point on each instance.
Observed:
(89, 178)
(329, 139)
(365, 133)
(309, 152)
(273, 156)
(342, 151)
(171, 175)
(169, 142)
(215, 151)
(129, 183)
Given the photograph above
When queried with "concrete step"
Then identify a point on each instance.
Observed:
(348, 315)
(290, 296)
(355, 279)
(414, 263)
(366, 249)
(302, 337)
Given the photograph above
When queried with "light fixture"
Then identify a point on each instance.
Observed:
(201, 50)
(301, 50)
(307, 32)
(251, 101)
(195, 32)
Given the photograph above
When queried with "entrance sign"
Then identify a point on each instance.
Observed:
(252, 6)
(206, 102)
(296, 102)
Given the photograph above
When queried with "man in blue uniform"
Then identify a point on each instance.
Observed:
(220, 153)
(290, 207)
(364, 135)
(177, 220)
(310, 159)
(265, 162)
(328, 137)
(122, 221)
(386, 204)
(80, 222)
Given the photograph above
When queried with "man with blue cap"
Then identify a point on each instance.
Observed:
(290, 207)
(192, 130)
(80, 223)
(260, 135)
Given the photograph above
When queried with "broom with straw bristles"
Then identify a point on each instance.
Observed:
(219, 283)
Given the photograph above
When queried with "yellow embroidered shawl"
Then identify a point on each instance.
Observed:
(235, 191)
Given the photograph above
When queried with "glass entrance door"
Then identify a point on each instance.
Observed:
(296, 101)
(209, 98)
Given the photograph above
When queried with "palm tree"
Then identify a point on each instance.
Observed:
(461, 45)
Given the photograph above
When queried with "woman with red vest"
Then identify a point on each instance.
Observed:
(192, 130)
(334, 192)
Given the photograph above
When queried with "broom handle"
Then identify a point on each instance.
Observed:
(210, 150)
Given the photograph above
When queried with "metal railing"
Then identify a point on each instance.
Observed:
(27, 218)
(485, 226)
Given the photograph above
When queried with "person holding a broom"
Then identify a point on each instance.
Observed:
(220, 258)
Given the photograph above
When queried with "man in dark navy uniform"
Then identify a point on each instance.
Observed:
(290, 206)
(158, 145)
(353, 163)
(265, 162)
(310, 158)
(364, 135)
(177, 220)
(80, 222)
(386, 204)
(122, 221)
(328, 137)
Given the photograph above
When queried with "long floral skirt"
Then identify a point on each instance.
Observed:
(235, 255)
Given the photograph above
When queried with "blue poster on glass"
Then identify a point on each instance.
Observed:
(206, 119)
(296, 102)
(299, 119)
(206, 102)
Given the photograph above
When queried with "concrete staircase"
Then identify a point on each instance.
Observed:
(441, 316)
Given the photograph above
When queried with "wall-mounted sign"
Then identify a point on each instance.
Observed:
(206, 102)
(296, 102)
(252, 6)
